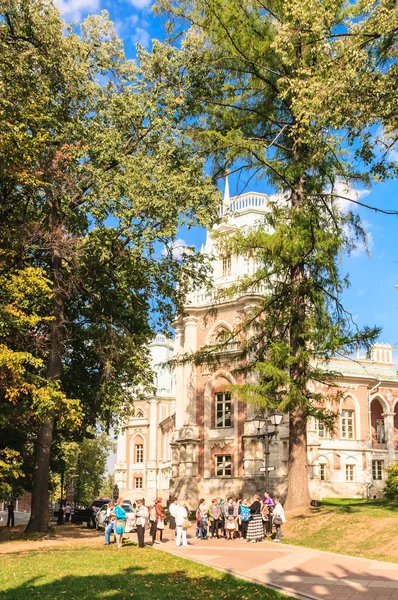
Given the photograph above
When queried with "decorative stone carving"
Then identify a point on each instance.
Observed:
(204, 325)
(222, 445)
(189, 432)
(237, 320)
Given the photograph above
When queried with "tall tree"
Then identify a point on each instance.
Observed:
(97, 180)
(252, 61)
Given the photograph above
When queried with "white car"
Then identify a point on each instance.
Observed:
(129, 507)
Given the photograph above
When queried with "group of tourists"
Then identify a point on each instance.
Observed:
(240, 519)
(231, 518)
(152, 519)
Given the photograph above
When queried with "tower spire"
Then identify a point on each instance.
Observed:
(226, 197)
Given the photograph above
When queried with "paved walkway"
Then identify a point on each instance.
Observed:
(300, 572)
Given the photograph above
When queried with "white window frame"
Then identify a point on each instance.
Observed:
(139, 453)
(226, 399)
(226, 265)
(347, 424)
(320, 429)
(350, 472)
(377, 470)
(221, 464)
(138, 486)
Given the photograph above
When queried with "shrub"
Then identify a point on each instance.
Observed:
(391, 489)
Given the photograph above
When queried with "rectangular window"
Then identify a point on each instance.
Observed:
(377, 470)
(380, 431)
(322, 472)
(139, 453)
(223, 410)
(320, 428)
(223, 466)
(138, 483)
(226, 266)
(350, 472)
(347, 424)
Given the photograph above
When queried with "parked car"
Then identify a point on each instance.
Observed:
(128, 506)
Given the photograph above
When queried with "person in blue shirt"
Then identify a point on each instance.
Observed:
(120, 525)
(244, 517)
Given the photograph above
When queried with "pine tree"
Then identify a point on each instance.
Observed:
(252, 62)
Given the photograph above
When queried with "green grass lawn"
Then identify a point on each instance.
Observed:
(367, 528)
(80, 573)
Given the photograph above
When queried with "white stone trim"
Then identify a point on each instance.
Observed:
(221, 324)
(357, 416)
(207, 419)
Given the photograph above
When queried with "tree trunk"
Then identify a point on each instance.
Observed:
(39, 519)
(298, 493)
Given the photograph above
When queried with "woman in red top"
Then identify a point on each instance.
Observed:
(156, 518)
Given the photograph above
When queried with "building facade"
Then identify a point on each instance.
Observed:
(143, 467)
(213, 447)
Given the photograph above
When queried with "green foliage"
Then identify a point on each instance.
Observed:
(84, 465)
(96, 178)
(254, 63)
(391, 489)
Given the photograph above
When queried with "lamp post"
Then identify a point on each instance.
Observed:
(261, 424)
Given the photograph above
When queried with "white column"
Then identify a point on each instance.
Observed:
(389, 431)
(153, 428)
(179, 375)
(189, 402)
(151, 467)
(121, 446)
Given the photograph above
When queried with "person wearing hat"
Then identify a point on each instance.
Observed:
(141, 518)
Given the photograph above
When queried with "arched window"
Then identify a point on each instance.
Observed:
(377, 409)
(139, 414)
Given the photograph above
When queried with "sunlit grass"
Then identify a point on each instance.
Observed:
(87, 573)
(367, 528)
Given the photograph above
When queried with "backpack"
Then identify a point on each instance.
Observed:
(315, 503)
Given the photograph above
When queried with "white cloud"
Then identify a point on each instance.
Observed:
(140, 4)
(141, 36)
(178, 248)
(347, 193)
(127, 23)
(73, 10)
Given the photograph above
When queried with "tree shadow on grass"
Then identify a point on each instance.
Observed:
(137, 584)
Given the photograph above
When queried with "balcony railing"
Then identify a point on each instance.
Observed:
(245, 202)
(215, 296)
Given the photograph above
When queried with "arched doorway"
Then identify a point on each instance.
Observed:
(377, 425)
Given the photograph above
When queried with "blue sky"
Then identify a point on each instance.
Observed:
(372, 297)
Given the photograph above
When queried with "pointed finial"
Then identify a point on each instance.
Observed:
(226, 198)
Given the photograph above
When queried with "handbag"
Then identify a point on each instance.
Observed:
(160, 524)
(278, 520)
(265, 518)
(186, 524)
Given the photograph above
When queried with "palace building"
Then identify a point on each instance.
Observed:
(194, 439)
